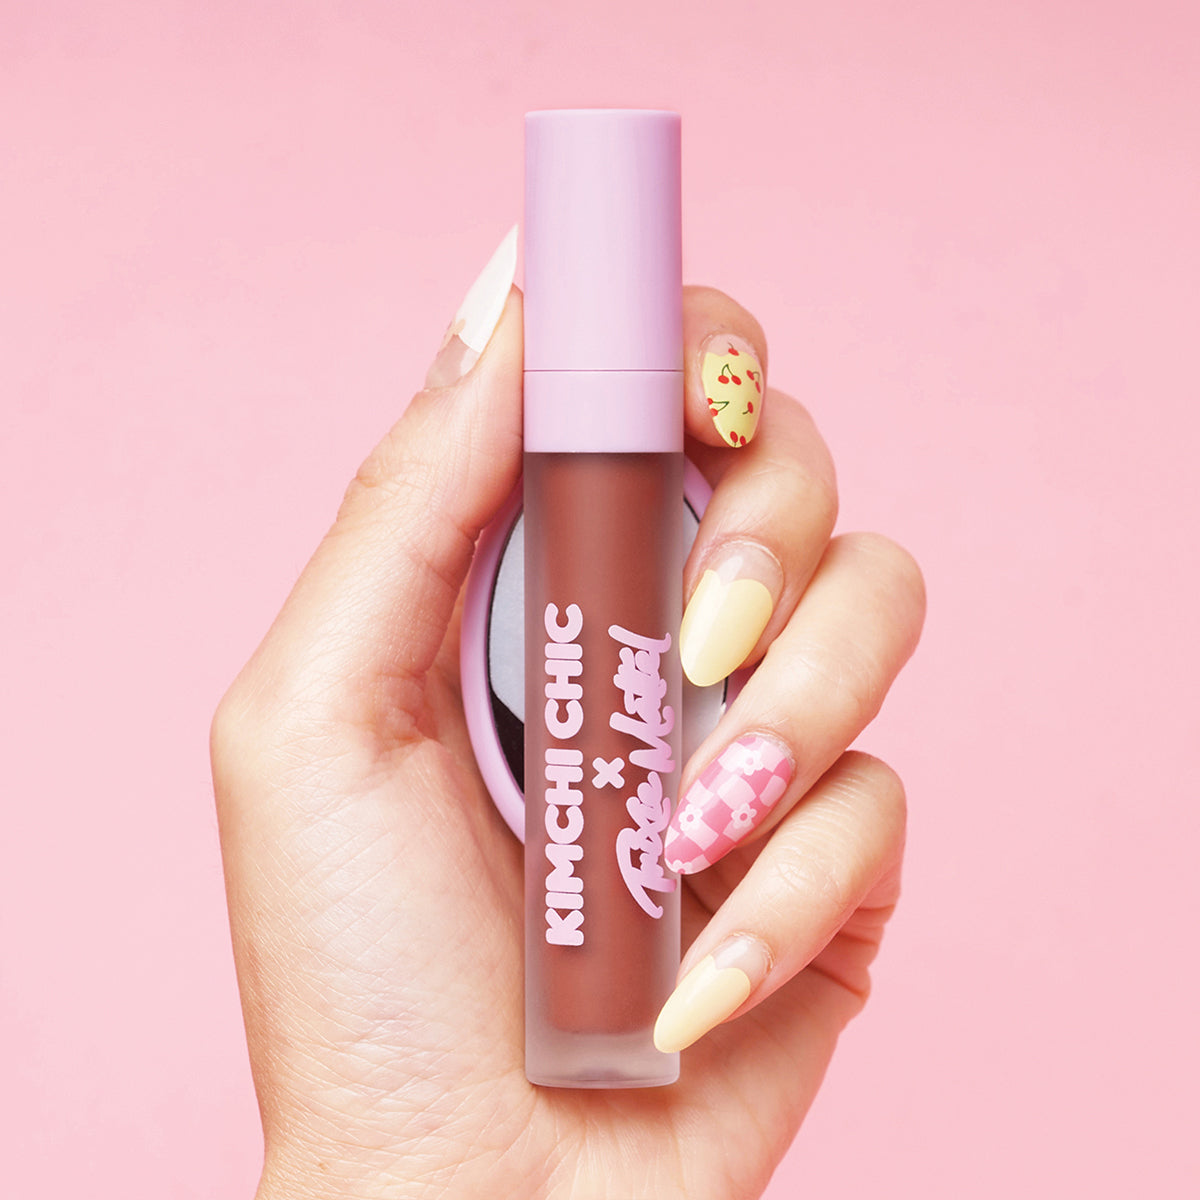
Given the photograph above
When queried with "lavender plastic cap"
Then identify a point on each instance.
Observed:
(603, 241)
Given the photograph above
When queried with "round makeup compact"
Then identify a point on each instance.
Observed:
(492, 651)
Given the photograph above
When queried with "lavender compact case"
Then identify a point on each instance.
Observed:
(492, 655)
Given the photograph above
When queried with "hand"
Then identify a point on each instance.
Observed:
(375, 895)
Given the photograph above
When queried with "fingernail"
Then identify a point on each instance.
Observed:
(727, 613)
(714, 989)
(733, 795)
(733, 386)
(477, 316)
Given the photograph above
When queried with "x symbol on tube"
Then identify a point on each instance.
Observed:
(608, 773)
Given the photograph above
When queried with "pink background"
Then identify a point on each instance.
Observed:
(231, 236)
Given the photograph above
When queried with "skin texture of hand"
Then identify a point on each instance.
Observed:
(376, 897)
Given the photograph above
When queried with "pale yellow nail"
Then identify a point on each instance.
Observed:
(714, 989)
(721, 625)
(733, 386)
(704, 998)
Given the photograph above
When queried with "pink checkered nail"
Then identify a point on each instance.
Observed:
(733, 795)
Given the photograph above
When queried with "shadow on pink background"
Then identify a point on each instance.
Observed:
(229, 244)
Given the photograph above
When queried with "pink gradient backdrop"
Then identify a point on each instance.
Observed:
(230, 238)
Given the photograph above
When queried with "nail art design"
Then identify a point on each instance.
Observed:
(734, 794)
(721, 625)
(477, 317)
(714, 989)
(733, 387)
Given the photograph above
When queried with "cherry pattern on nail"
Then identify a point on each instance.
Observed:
(727, 376)
(733, 795)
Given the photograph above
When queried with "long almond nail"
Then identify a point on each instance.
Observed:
(711, 991)
(478, 315)
(728, 612)
(733, 386)
(733, 795)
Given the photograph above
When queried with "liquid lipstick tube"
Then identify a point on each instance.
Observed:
(603, 577)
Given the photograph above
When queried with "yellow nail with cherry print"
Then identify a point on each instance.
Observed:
(733, 386)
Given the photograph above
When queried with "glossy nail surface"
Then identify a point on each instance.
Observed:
(713, 990)
(734, 795)
(727, 614)
(733, 386)
(477, 317)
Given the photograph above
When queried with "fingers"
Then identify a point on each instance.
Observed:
(759, 541)
(369, 613)
(367, 617)
(835, 856)
(823, 679)
(775, 501)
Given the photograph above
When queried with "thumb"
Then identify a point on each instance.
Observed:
(370, 611)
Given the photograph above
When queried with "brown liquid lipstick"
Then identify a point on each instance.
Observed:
(603, 493)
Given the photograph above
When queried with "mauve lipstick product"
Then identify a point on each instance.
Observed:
(603, 493)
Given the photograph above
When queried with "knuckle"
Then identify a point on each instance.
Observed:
(232, 733)
(805, 877)
(802, 459)
(855, 692)
(387, 472)
(822, 497)
(423, 451)
(851, 693)
(260, 719)
(264, 734)
(827, 859)
(893, 565)
(872, 778)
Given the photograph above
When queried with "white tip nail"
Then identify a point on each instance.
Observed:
(479, 313)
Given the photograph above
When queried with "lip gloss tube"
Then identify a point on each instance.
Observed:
(603, 499)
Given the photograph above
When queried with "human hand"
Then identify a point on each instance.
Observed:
(376, 897)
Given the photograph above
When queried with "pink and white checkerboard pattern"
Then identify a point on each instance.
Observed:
(733, 795)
